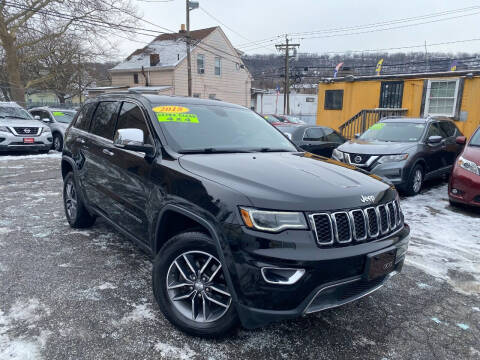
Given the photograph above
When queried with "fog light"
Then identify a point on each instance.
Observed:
(454, 191)
(281, 276)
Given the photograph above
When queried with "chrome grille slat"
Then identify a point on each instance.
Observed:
(357, 225)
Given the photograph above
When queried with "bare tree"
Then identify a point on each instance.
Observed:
(26, 23)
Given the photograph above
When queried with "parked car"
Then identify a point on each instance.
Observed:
(464, 184)
(19, 131)
(202, 187)
(319, 140)
(277, 120)
(291, 119)
(406, 151)
(274, 119)
(58, 121)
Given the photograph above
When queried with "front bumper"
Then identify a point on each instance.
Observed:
(11, 142)
(467, 187)
(396, 172)
(333, 276)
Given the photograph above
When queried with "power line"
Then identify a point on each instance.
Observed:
(222, 23)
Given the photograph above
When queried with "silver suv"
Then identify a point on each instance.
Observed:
(57, 120)
(19, 131)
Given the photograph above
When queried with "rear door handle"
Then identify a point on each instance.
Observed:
(80, 140)
(108, 152)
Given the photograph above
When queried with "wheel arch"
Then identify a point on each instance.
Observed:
(67, 166)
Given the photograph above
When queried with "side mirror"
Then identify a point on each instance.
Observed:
(434, 139)
(36, 117)
(357, 135)
(132, 139)
(461, 140)
(46, 120)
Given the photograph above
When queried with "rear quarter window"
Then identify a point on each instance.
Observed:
(85, 116)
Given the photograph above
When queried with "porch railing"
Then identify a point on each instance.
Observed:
(361, 121)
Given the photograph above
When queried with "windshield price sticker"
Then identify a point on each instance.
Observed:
(377, 126)
(171, 109)
(182, 118)
(58, 113)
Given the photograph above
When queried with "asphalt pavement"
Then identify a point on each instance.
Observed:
(69, 294)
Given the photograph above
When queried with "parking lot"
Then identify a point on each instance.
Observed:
(69, 294)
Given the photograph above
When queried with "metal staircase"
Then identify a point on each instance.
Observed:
(366, 118)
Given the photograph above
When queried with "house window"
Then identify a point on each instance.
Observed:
(212, 96)
(218, 66)
(333, 100)
(441, 97)
(197, 95)
(391, 94)
(135, 78)
(201, 64)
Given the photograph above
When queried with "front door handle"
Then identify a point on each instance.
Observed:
(108, 152)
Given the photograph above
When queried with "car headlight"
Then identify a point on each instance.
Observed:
(468, 165)
(46, 129)
(338, 155)
(4, 129)
(393, 158)
(272, 221)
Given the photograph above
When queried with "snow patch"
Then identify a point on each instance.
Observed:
(139, 313)
(463, 326)
(52, 155)
(444, 241)
(174, 352)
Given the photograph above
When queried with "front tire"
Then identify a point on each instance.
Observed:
(75, 210)
(190, 287)
(57, 142)
(415, 181)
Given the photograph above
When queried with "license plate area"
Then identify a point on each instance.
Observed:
(28, 140)
(380, 263)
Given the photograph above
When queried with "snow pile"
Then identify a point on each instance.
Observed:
(445, 241)
(173, 352)
(51, 155)
(22, 347)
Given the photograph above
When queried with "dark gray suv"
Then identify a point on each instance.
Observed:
(406, 151)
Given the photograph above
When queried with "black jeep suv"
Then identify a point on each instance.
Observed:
(241, 225)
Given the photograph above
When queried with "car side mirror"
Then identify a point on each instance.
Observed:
(132, 139)
(461, 140)
(434, 139)
(357, 135)
(36, 117)
(46, 120)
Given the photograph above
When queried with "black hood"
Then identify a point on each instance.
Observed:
(289, 181)
(376, 147)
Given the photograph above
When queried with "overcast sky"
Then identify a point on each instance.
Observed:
(260, 19)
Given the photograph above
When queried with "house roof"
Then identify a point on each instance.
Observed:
(350, 78)
(171, 49)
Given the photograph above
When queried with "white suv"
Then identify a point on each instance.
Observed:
(19, 131)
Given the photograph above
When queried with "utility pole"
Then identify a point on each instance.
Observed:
(426, 57)
(286, 89)
(190, 5)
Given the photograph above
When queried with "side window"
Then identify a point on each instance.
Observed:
(84, 116)
(103, 123)
(448, 128)
(435, 130)
(131, 116)
(35, 113)
(331, 136)
(313, 134)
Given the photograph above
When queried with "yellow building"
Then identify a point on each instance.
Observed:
(353, 103)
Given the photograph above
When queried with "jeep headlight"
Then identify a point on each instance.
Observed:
(468, 165)
(392, 158)
(338, 155)
(272, 221)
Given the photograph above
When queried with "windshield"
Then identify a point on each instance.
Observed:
(273, 119)
(394, 132)
(63, 116)
(213, 128)
(14, 112)
(475, 140)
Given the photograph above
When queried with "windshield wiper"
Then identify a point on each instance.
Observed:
(266, 149)
(212, 151)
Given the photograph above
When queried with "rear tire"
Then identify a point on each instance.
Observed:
(415, 181)
(174, 278)
(77, 215)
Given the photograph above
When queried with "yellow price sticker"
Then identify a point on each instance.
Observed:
(58, 113)
(182, 118)
(377, 126)
(171, 109)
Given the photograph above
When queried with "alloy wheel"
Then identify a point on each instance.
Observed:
(71, 199)
(57, 144)
(196, 287)
(417, 180)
